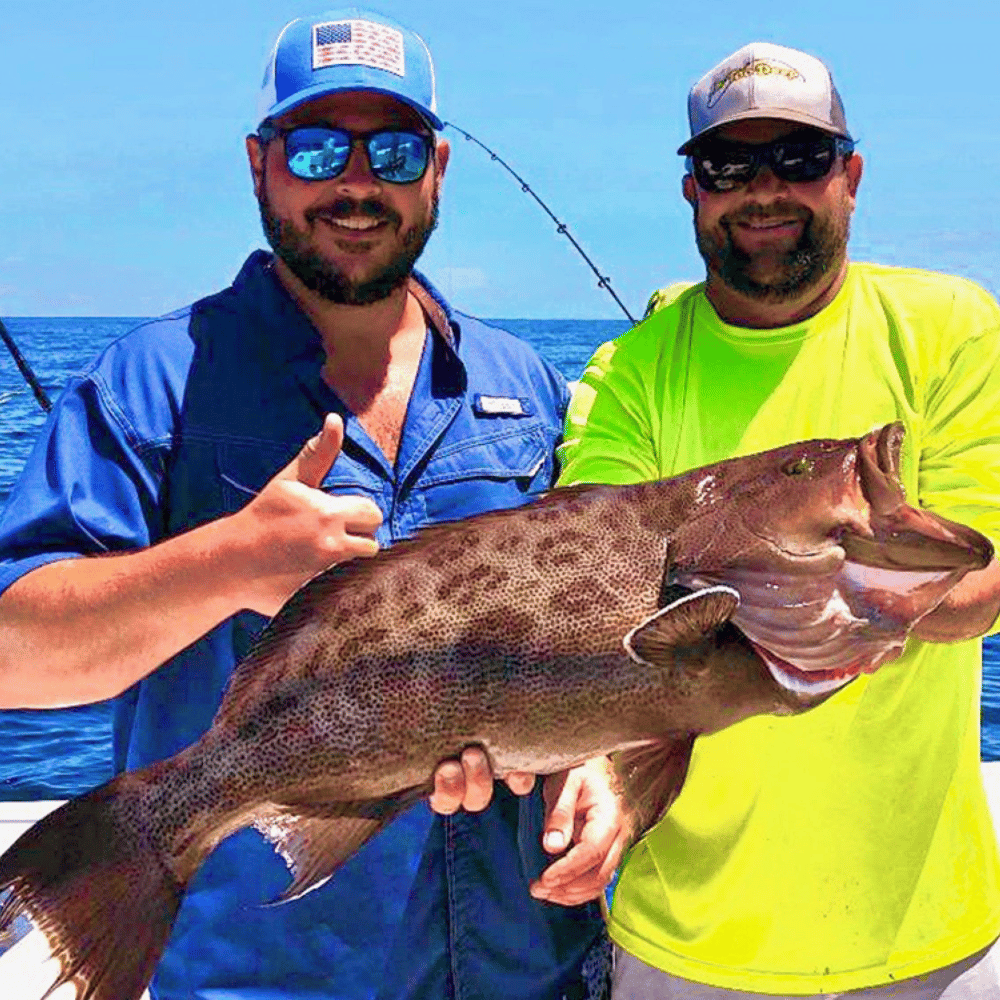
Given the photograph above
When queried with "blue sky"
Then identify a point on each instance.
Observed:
(125, 189)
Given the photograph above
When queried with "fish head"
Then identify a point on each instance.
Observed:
(834, 568)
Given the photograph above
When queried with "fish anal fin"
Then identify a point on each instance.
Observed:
(315, 839)
(651, 777)
(314, 849)
(684, 622)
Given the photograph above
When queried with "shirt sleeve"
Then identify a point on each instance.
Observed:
(663, 297)
(960, 457)
(89, 487)
(959, 472)
(608, 435)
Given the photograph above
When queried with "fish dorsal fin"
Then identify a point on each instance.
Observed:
(316, 839)
(651, 777)
(683, 622)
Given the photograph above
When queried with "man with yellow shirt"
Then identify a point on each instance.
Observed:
(849, 848)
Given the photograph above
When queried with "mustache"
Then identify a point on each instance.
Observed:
(345, 208)
(755, 212)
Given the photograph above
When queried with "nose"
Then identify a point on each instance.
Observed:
(357, 173)
(765, 182)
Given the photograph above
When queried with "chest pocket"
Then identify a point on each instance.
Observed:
(245, 468)
(492, 472)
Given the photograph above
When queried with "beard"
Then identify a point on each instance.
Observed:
(321, 275)
(776, 275)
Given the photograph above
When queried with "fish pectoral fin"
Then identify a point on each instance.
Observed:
(651, 777)
(683, 622)
(317, 839)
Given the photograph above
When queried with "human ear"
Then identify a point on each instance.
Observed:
(688, 187)
(442, 153)
(255, 157)
(854, 167)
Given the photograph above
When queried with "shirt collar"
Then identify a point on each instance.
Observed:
(288, 332)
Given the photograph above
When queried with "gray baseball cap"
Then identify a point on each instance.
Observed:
(762, 80)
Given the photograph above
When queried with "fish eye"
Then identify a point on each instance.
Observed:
(798, 467)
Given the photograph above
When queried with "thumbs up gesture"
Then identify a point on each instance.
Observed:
(292, 530)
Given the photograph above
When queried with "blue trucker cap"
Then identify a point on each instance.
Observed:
(348, 49)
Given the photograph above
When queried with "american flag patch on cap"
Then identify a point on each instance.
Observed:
(358, 43)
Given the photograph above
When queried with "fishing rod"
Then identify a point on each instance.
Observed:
(25, 369)
(603, 281)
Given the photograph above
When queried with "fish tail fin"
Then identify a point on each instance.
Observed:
(102, 895)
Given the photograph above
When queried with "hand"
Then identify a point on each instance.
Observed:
(467, 783)
(292, 530)
(582, 809)
(969, 610)
(581, 806)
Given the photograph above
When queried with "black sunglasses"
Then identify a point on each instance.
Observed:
(320, 153)
(720, 165)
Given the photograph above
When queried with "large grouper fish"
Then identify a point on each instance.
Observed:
(596, 620)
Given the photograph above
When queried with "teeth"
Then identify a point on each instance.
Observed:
(354, 223)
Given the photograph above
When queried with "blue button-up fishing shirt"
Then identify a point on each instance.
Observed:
(182, 421)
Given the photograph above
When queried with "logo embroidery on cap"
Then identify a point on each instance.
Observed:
(358, 43)
(758, 67)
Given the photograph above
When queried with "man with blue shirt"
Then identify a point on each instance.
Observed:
(178, 457)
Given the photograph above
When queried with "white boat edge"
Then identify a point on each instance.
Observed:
(27, 969)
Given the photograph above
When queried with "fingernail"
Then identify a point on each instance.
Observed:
(539, 892)
(555, 840)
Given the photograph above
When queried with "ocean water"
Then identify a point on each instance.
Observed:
(59, 753)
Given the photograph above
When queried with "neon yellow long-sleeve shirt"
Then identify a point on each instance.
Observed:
(851, 845)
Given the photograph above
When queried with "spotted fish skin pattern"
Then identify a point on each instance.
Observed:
(473, 633)
(595, 620)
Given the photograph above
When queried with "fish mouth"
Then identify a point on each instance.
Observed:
(819, 626)
(903, 537)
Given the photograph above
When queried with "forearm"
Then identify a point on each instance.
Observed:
(80, 630)
(968, 611)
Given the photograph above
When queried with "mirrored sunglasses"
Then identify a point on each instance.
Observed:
(319, 153)
(720, 165)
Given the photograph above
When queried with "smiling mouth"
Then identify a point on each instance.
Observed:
(767, 224)
(354, 223)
